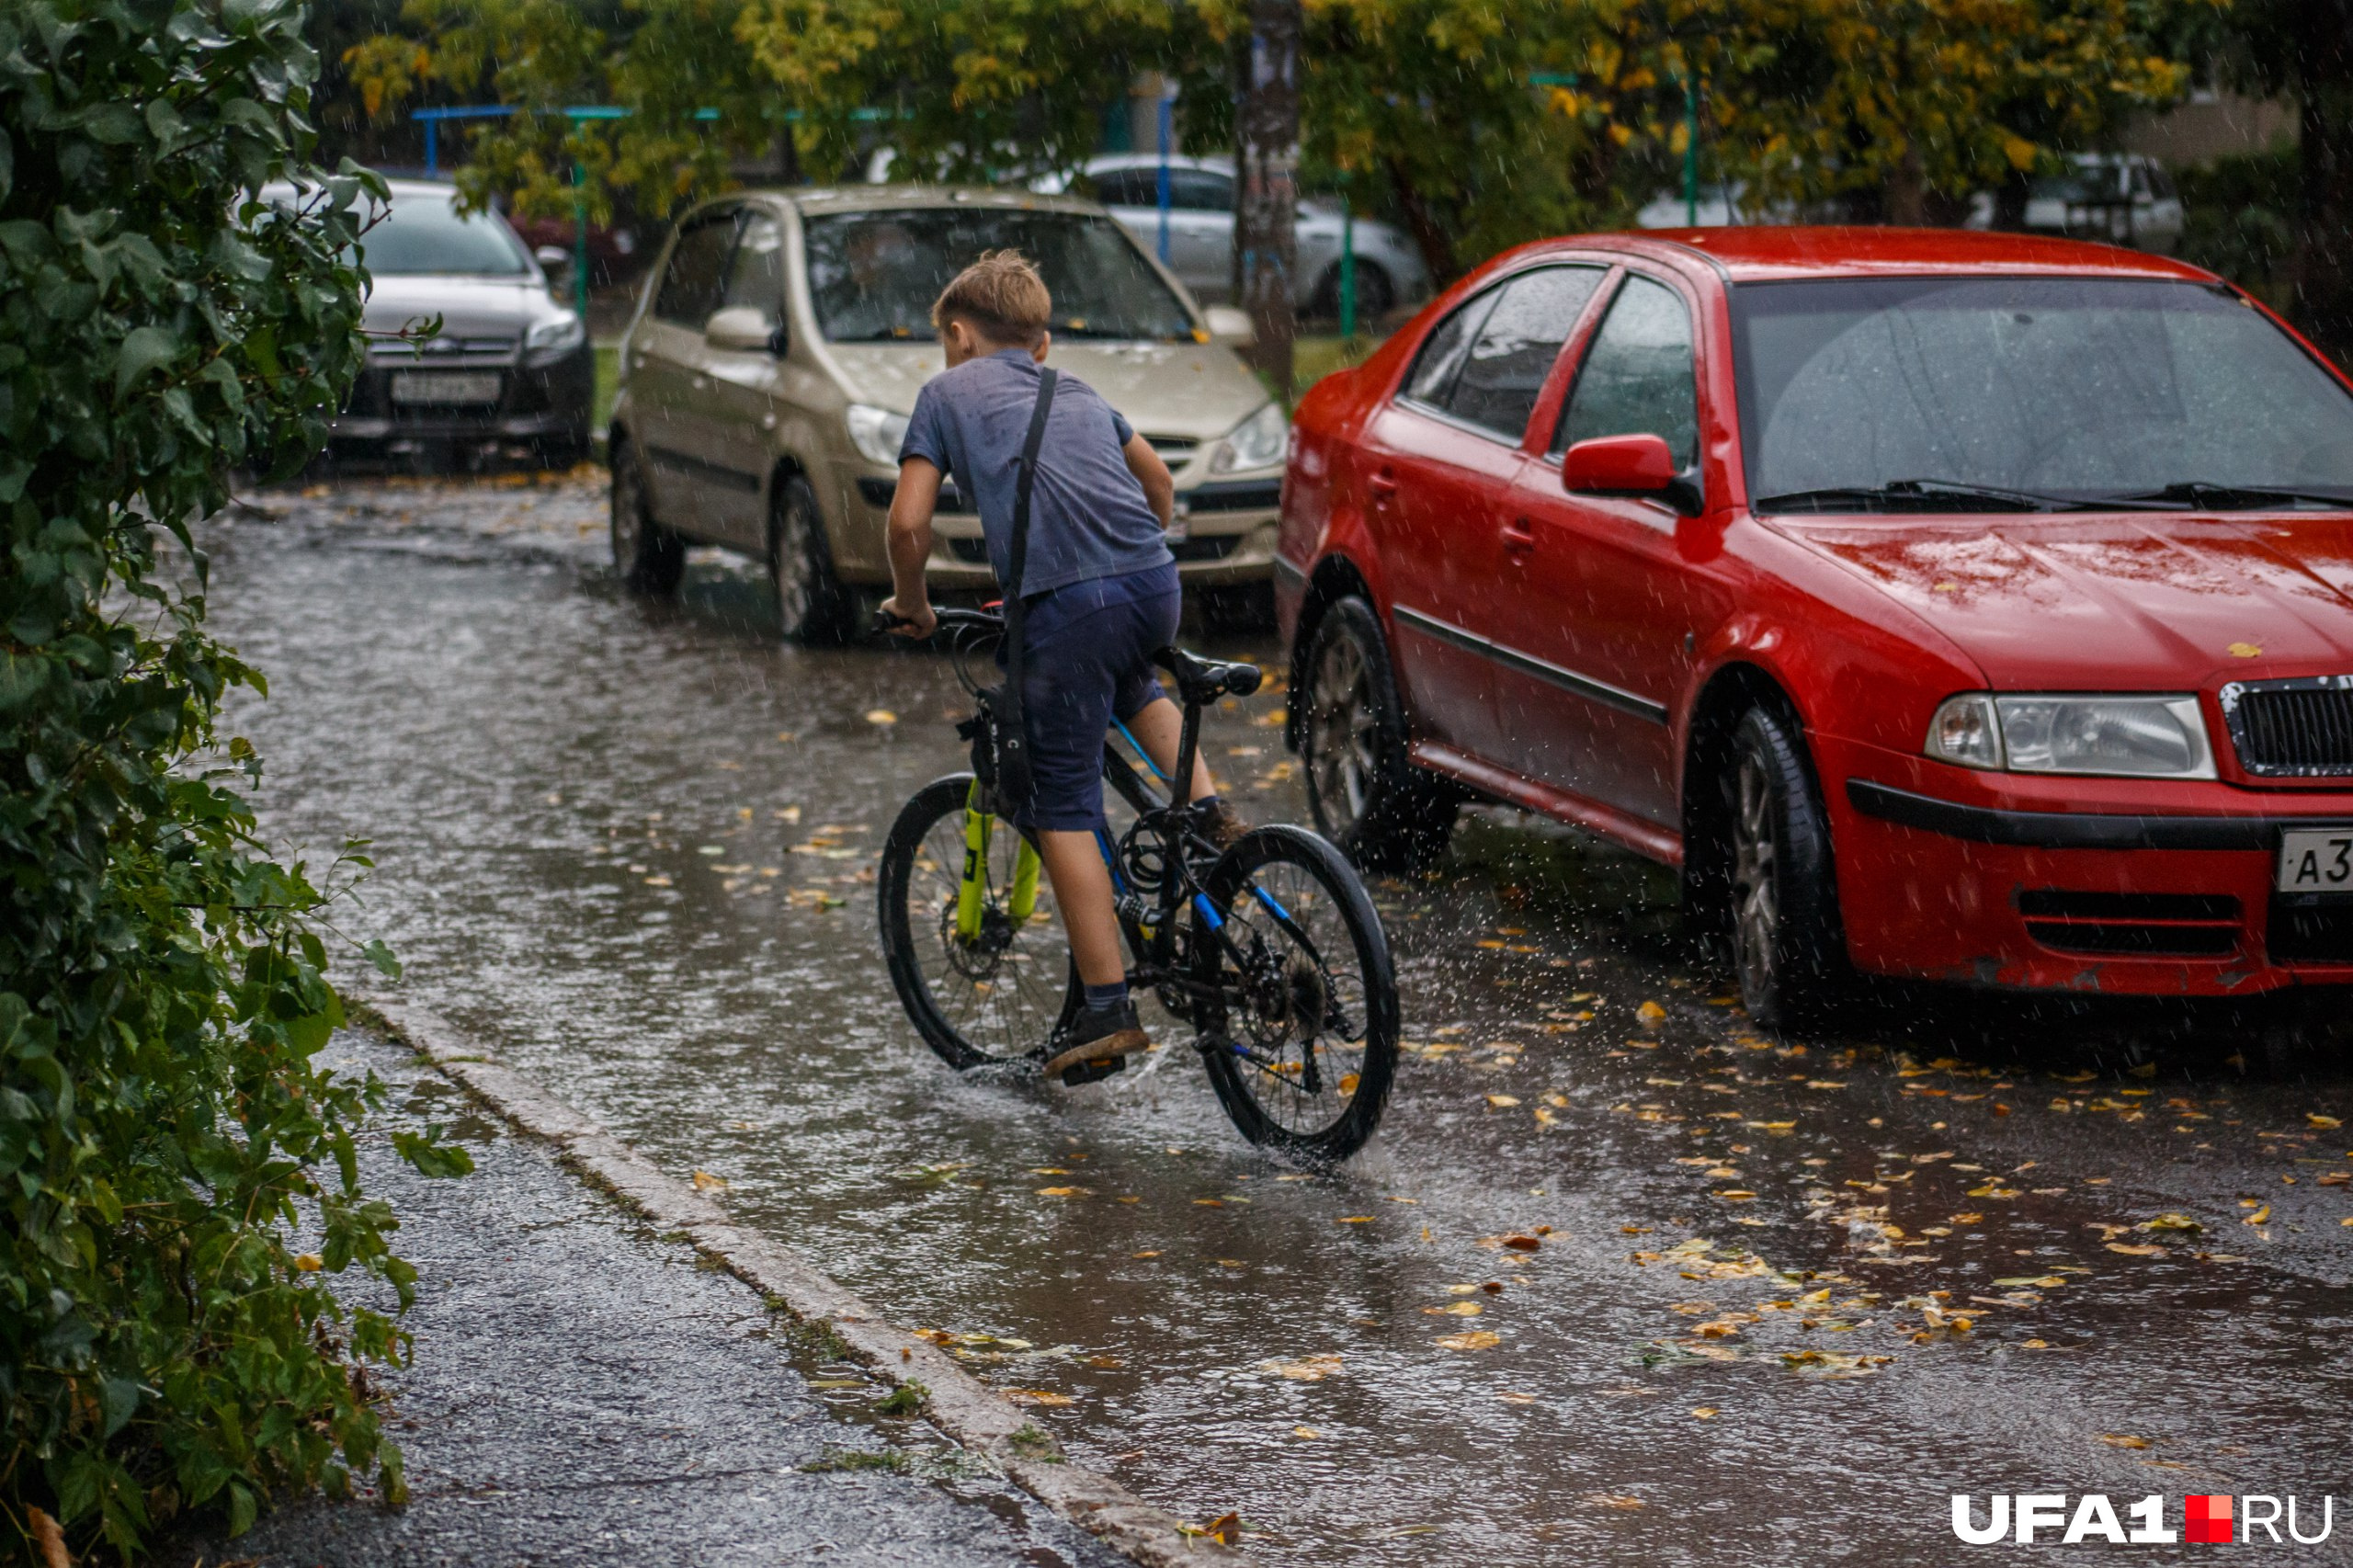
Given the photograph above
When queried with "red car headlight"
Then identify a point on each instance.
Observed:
(2116, 736)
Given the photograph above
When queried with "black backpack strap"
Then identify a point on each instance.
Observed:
(1021, 484)
(1012, 741)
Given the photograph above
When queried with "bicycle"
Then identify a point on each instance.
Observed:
(1270, 952)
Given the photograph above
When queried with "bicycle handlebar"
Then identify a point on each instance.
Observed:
(948, 619)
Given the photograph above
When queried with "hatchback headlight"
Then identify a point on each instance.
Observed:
(2117, 736)
(554, 336)
(1260, 441)
(876, 433)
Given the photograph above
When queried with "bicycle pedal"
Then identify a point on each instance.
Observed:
(1093, 1072)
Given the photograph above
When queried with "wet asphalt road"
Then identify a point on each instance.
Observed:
(631, 846)
(670, 1420)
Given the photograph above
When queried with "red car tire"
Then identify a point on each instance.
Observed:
(1367, 797)
(1787, 949)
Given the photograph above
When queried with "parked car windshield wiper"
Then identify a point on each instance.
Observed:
(1918, 495)
(2197, 495)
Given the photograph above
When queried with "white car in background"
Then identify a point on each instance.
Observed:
(1389, 271)
(2125, 199)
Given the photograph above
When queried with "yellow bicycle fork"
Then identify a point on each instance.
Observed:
(971, 893)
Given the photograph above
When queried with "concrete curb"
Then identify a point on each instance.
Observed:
(968, 1411)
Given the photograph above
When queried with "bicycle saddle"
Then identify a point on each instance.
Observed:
(1203, 681)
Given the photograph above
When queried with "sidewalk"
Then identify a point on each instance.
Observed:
(584, 1393)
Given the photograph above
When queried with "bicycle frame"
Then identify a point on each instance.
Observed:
(1150, 929)
(1178, 858)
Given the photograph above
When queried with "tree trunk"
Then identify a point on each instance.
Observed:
(2010, 199)
(1429, 235)
(1905, 196)
(1265, 252)
(2324, 262)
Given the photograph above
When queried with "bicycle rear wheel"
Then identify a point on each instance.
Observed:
(998, 995)
(1301, 1034)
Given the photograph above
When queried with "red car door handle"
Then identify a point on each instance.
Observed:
(1383, 486)
(1519, 538)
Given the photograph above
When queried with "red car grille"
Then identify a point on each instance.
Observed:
(2292, 728)
(2131, 924)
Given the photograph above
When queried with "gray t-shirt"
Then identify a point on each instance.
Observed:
(1088, 516)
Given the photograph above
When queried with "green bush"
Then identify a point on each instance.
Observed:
(163, 1127)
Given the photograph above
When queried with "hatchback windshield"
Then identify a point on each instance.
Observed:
(874, 275)
(2056, 391)
(425, 234)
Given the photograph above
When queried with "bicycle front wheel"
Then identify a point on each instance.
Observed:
(982, 969)
(1298, 1015)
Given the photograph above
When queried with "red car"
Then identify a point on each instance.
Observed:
(1947, 605)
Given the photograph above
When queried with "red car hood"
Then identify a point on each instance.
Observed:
(2146, 601)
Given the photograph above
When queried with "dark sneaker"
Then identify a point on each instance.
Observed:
(1093, 1037)
(1218, 823)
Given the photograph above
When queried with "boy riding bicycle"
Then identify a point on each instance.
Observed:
(1099, 589)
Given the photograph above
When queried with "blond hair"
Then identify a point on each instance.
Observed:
(1001, 297)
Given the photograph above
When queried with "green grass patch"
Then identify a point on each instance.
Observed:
(608, 383)
(907, 1399)
(1033, 1443)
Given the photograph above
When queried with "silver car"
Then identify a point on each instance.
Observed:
(1390, 270)
(510, 372)
(778, 349)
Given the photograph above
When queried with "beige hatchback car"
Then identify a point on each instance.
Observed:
(767, 378)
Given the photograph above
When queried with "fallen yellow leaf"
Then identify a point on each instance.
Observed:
(2246, 651)
(881, 716)
(1455, 1310)
(2258, 1217)
(1477, 1339)
(1704, 1412)
(1306, 1370)
(2324, 1122)
(2132, 1251)
(309, 1263)
(2118, 1440)
(706, 1182)
(1038, 1396)
(1061, 1192)
(1501, 1101)
(1356, 1219)
(1307, 1432)
(1650, 1014)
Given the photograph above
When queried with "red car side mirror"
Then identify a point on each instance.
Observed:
(1628, 465)
(1617, 465)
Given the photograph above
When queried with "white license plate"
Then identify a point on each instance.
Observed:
(2316, 859)
(446, 386)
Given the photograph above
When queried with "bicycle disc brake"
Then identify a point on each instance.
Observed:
(977, 959)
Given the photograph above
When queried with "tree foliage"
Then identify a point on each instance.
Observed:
(163, 1127)
(1476, 122)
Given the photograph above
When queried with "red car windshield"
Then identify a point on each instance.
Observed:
(2029, 393)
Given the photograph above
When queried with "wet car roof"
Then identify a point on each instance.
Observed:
(1753, 253)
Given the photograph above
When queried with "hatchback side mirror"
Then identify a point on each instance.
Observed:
(745, 329)
(1229, 324)
(1628, 465)
(551, 259)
